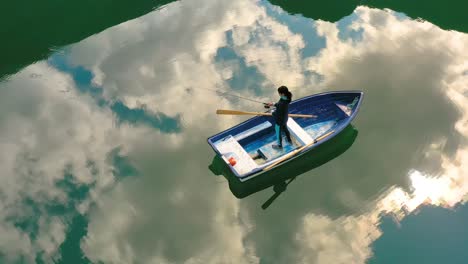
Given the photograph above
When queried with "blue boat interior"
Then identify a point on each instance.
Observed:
(257, 134)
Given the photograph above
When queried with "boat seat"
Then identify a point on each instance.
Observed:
(301, 135)
(346, 110)
(252, 130)
(230, 148)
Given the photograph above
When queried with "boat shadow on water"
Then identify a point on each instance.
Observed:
(282, 176)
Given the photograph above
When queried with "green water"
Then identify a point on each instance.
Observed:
(106, 108)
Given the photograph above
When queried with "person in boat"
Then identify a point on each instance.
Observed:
(280, 116)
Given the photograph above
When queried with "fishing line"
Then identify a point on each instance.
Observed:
(230, 94)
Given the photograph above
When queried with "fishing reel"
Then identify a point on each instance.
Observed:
(269, 109)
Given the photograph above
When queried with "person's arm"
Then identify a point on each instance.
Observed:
(273, 104)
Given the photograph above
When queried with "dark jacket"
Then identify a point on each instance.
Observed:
(281, 113)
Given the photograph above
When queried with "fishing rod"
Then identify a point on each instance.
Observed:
(234, 95)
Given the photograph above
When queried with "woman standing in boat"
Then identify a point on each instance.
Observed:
(281, 116)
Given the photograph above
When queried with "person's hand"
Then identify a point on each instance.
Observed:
(268, 105)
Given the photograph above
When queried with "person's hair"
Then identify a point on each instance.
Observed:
(284, 90)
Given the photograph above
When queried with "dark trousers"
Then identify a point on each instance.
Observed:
(280, 129)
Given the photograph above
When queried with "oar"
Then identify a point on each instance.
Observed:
(235, 112)
(292, 153)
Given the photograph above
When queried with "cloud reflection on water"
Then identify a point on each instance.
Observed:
(411, 150)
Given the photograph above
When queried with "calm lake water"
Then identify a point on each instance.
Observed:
(106, 110)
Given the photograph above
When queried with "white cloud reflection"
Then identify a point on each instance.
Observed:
(169, 69)
(45, 135)
(192, 224)
(347, 239)
(275, 52)
(157, 61)
(273, 49)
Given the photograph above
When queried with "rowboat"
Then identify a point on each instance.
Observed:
(247, 147)
(326, 152)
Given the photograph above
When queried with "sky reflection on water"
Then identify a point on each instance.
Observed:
(136, 91)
